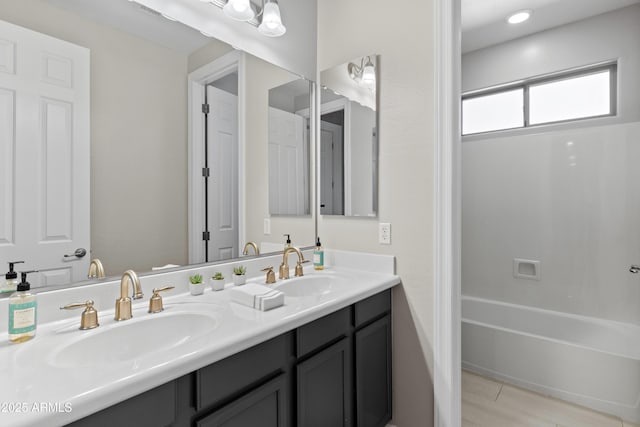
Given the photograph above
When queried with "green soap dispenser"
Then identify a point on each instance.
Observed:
(23, 312)
(11, 278)
(318, 256)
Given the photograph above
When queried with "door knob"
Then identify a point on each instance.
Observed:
(79, 253)
(635, 269)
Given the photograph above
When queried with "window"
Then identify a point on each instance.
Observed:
(558, 98)
(502, 110)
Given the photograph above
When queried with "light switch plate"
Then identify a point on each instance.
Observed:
(384, 233)
(267, 226)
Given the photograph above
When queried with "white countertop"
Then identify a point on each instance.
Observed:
(37, 391)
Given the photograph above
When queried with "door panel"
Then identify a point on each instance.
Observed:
(44, 148)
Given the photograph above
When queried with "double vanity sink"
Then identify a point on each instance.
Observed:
(79, 372)
(180, 326)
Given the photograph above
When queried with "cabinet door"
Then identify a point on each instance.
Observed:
(373, 374)
(324, 388)
(153, 408)
(265, 406)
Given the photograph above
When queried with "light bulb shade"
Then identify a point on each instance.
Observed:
(239, 10)
(271, 24)
(369, 75)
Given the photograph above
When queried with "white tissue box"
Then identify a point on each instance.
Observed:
(257, 296)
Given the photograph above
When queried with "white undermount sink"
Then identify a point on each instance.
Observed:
(306, 286)
(133, 339)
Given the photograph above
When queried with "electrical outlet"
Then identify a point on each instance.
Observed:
(267, 226)
(384, 233)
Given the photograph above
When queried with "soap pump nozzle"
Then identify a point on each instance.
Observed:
(24, 285)
(12, 274)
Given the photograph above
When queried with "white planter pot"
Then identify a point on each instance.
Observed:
(196, 288)
(239, 279)
(217, 284)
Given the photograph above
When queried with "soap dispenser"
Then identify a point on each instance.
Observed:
(318, 256)
(11, 278)
(23, 312)
(287, 244)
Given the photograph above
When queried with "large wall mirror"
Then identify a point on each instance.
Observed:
(349, 138)
(139, 140)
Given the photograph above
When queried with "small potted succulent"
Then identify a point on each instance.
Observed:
(217, 281)
(239, 277)
(196, 287)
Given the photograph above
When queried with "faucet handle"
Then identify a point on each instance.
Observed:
(299, 271)
(89, 317)
(271, 276)
(155, 302)
(283, 273)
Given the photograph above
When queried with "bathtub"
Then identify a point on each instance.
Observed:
(584, 360)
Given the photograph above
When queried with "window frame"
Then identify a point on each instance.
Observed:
(611, 67)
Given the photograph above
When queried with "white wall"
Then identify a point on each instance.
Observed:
(350, 29)
(566, 196)
(138, 138)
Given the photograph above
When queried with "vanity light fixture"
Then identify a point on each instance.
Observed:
(519, 16)
(364, 74)
(244, 10)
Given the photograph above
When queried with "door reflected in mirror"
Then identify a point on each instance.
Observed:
(349, 138)
(289, 148)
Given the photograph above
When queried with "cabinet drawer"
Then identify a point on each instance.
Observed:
(241, 372)
(320, 332)
(372, 307)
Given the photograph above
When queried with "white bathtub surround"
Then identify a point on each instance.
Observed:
(568, 199)
(32, 373)
(588, 361)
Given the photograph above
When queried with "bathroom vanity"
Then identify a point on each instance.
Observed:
(324, 358)
(330, 372)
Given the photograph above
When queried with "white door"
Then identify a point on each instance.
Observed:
(331, 169)
(222, 153)
(287, 171)
(44, 155)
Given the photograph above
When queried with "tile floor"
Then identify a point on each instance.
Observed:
(490, 403)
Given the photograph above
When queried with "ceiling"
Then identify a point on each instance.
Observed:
(484, 21)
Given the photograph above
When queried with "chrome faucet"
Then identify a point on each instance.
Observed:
(123, 304)
(96, 269)
(284, 267)
(253, 245)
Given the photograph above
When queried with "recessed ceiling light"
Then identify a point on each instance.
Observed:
(519, 16)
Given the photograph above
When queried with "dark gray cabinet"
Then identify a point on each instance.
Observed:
(324, 391)
(332, 372)
(373, 373)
